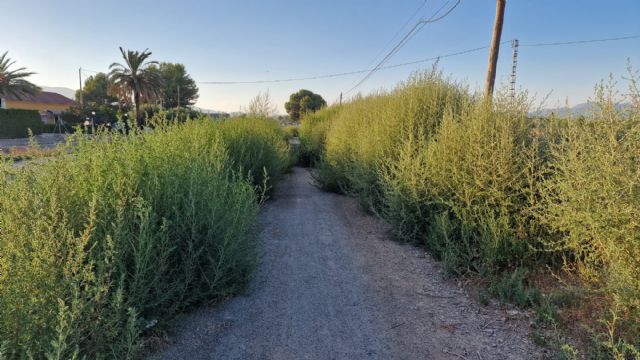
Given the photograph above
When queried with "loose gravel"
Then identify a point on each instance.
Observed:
(331, 284)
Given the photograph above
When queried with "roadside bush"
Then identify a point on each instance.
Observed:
(125, 229)
(365, 136)
(180, 114)
(292, 131)
(16, 123)
(258, 148)
(592, 201)
(491, 190)
(481, 175)
(312, 132)
(73, 116)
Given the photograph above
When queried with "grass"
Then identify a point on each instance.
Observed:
(490, 190)
(124, 229)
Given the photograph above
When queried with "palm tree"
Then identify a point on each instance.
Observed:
(12, 82)
(134, 79)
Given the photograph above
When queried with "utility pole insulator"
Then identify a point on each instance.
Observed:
(495, 48)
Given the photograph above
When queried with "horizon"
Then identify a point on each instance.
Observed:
(252, 41)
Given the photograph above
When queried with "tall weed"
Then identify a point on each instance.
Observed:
(122, 229)
(489, 188)
(592, 202)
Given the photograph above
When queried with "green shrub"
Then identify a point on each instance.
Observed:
(445, 169)
(292, 131)
(258, 148)
(312, 132)
(180, 114)
(513, 288)
(124, 229)
(73, 117)
(366, 136)
(483, 169)
(16, 123)
(489, 189)
(592, 202)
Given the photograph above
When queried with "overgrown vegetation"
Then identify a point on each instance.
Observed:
(312, 133)
(122, 230)
(490, 190)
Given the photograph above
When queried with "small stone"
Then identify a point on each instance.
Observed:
(151, 324)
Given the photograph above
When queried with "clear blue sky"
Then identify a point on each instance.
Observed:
(244, 40)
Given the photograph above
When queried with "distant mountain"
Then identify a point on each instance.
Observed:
(583, 109)
(207, 111)
(70, 93)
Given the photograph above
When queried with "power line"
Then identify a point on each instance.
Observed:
(417, 27)
(583, 41)
(344, 73)
(397, 33)
(463, 52)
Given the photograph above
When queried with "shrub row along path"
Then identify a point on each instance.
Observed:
(331, 285)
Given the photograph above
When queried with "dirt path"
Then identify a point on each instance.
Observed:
(330, 285)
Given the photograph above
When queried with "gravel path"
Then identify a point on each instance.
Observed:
(330, 285)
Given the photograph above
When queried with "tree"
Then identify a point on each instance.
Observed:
(96, 91)
(302, 102)
(134, 79)
(178, 88)
(12, 82)
(261, 106)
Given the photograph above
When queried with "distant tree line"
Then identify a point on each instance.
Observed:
(139, 85)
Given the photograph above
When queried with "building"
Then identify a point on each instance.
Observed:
(49, 104)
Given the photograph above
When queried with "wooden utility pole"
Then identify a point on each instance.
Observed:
(80, 78)
(495, 48)
(340, 98)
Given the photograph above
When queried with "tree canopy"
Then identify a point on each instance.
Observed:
(12, 82)
(178, 88)
(134, 79)
(96, 91)
(302, 102)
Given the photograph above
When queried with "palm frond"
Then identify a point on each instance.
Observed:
(134, 79)
(12, 82)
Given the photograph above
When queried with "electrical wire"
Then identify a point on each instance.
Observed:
(347, 73)
(583, 41)
(417, 27)
(326, 76)
(396, 34)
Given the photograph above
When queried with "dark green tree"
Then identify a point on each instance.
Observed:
(96, 91)
(302, 102)
(178, 88)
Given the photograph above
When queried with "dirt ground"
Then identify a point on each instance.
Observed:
(331, 284)
(44, 140)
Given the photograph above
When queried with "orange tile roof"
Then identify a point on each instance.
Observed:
(45, 97)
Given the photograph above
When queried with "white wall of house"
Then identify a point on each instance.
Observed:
(3, 104)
